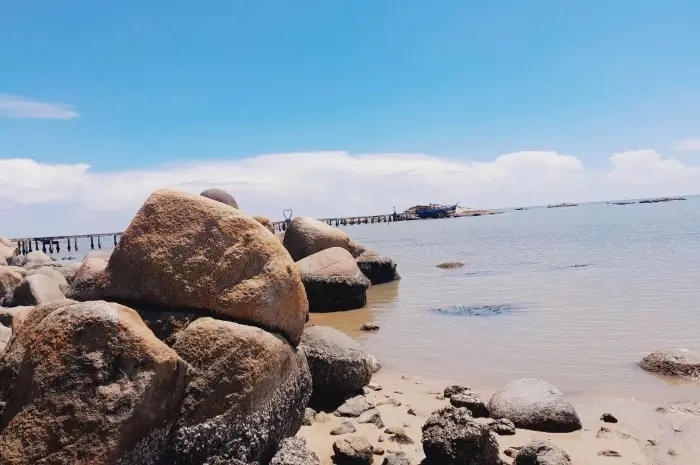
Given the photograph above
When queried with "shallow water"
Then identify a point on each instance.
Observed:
(583, 293)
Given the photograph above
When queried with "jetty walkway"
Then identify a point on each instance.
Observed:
(51, 244)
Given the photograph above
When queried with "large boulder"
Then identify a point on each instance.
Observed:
(378, 268)
(221, 196)
(339, 367)
(333, 281)
(539, 452)
(5, 334)
(89, 279)
(293, 451)
(673, 362)
(307, 236)
(536, 405)
(9, 280)
(451, 436)
(248, 391)
(37, 289)
(8, 251)
(9, 316)
(52, 273)
(37, 259)
(68, 271)
(187, 251)
(265, 221)
(87, 383)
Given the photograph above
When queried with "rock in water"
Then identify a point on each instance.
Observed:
(306, 236)
(186, 251)
(265, 221)
(37, 289)
(333, 281)
(450, 265)
(471, 402)
(293, 451)
(377, 268)
(354, 450)
(220, 196)
(674, 362)
(87, 383)
(247, 391)
(339, 367)
(52, 273)
(541, 453)
(536, 405)
(452, 437)
(9, 280)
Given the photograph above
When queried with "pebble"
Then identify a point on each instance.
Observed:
(412, 412)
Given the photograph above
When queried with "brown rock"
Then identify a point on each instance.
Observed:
(68, 271)
(673, 362)
(8, 251)
(249, 389)
(306, 236)
(9, 280)
(5, 334)
(37, 289)
(333, 281)
(265, 221)
(52, 273)
(90, 279)
(17, 269)
(186, 251)
(377, 268)
(221, 196)
(37, 259)
(354, 450)
(450, 265)
(92, 386)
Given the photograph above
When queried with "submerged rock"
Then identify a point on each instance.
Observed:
(307, 236)
(673, 362)
(333, 281)
(452, 437)
(541, 453)
(534, 404)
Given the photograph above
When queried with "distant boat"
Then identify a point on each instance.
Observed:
(436, 211)
(565, 204)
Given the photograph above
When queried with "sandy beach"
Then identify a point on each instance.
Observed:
(642, 436)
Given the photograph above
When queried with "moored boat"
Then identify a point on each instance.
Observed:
(436, 211)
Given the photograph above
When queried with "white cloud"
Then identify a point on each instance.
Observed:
(691, 144)
(53, 199)
(14, 106)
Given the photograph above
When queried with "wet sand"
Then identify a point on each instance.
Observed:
(642, 436)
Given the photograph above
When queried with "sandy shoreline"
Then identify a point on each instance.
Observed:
(642, 435)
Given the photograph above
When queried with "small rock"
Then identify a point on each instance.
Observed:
(652, 442)
(345, 428)
(322, 417)
(371, 416)
(369, 327)
(354, 450)
(374, 387)
(378, 451)
(381, 439)
(608, 418)
(471, 402)
(397, 458)
(540, 452)
(456, 389)
(401, 438)
(672, 452)
(412, 412)
(390, 401)
(605, 432)
(502, 426)
(406, 425)
(511, 451)
(354, 407)
(398, 392)
(309, 415)
(609, 453)
(395, 430)
(450, 265)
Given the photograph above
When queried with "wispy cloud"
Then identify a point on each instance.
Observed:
(691, 144)
(14, 106)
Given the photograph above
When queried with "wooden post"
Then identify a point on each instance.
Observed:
(99, 244)
(75, 243)
(92, 243)
(58, 246)
(68, 244)
(50, 245)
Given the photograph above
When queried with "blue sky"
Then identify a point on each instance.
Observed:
(143, 84)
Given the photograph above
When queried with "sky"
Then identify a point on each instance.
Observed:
(342, 108)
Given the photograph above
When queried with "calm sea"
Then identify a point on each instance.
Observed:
(575, 296)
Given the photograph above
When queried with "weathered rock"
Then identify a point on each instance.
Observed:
(456, 389)
(52, 273)
(185, 251)
(451, 437)
(502, 426)
(604, 433)
(13, 317)
(220, 196)
(36, 289)
(401, 438)
(609, 453)
(345, 428)
(390, 401)
(68, 271)
(37, 259)
(265, 221)
(673, 362)
(166, 323)
(471, 402)
(369, 327)
(248, 391)
(339, 366)
(309, 415)
(540, 452)
(333, 281)
(17, 269)
(354, 407)
(88, 383)
(395, 430)
(354, 450)
(450, 265)
(5, 334)
(293, 451)
(306, 236)
(90, 280)
(398, 458)
(377, 268)
(371, 416)
(373, 363)
(608, 418)
(9, 280)
(8, 252)
(535, 404)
